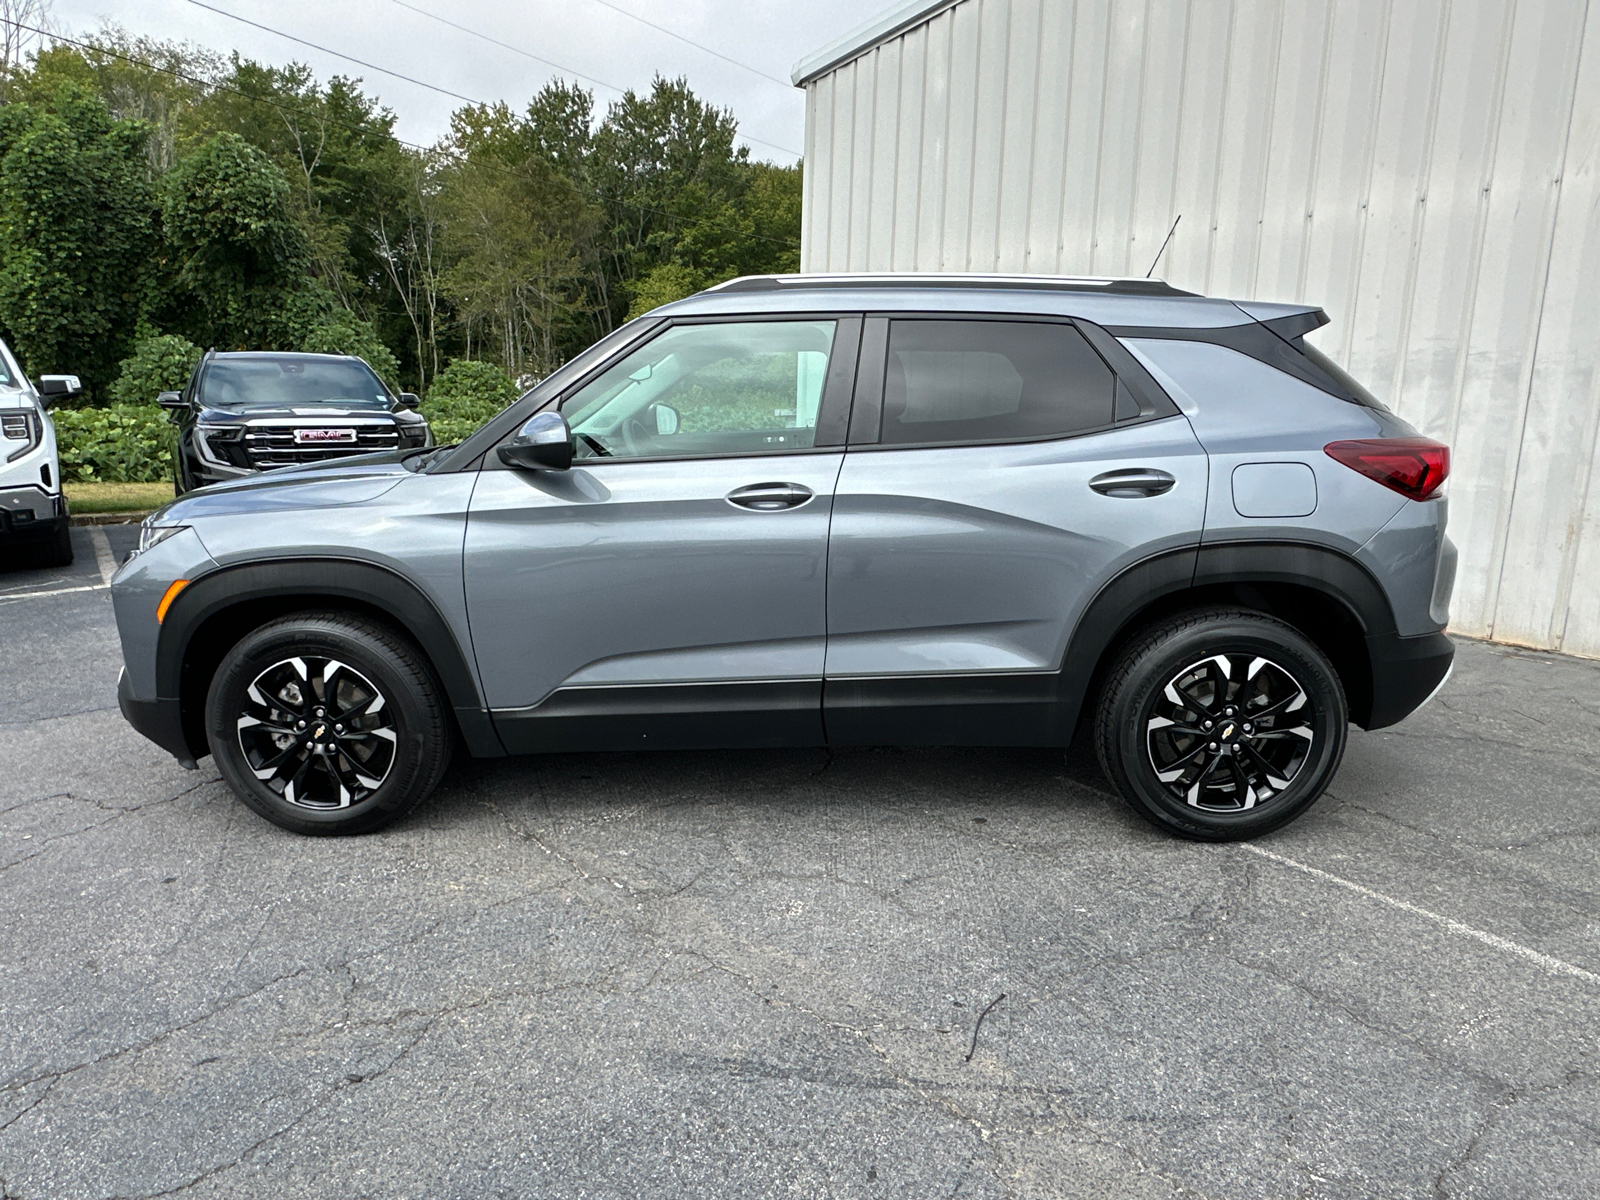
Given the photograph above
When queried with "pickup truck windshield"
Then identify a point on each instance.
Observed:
(291, 383)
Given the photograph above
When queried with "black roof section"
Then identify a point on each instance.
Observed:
(1008, 283)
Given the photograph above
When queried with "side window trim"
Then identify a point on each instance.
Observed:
(1128, 373)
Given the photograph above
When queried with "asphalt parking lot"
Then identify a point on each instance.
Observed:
(761, 973)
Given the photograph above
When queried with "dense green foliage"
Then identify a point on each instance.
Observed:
(148, 189)
(118, 443)
(77, 234)
(465, 395)
(159, 363)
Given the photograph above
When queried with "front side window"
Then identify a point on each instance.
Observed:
(981, 381)
(736, 387)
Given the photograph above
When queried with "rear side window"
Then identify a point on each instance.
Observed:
(983, 381)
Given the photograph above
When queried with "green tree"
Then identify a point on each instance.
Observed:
(77, 232)
(239, 255)
(517, 235)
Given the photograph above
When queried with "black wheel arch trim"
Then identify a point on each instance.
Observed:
(1396, 688)
(366, 582)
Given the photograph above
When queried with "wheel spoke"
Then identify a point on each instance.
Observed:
(1241, 781)
(1270, 773)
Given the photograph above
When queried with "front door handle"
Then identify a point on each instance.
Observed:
(770, 497)
(1133, 482)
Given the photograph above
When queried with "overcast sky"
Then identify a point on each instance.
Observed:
(583, 36)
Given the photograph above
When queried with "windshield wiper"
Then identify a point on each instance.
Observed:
(424, 456)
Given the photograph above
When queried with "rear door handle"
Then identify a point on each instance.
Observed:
(1133, 482)
(770, 497)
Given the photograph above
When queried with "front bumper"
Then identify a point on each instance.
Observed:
(1406, 671)
(159, 720)
(31, 514)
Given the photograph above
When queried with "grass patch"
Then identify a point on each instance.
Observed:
(117, 497)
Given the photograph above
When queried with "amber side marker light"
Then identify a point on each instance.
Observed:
(168, 596)
(1414, 467)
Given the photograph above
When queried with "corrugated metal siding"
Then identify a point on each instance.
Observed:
(1426, 170)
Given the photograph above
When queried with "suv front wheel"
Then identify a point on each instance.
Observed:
(1221, 724)
(327, 723)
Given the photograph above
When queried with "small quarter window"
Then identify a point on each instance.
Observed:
(983, 381)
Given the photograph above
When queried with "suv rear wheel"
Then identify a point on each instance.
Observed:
(1221, 724)
(326, 723)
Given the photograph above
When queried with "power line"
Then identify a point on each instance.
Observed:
(360, 62)
(348, 58)
(305, 112)
(422, 12)
(783, 83)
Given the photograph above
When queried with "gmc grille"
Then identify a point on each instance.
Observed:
(268, 446)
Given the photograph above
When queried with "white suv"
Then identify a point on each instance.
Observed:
(33, 510)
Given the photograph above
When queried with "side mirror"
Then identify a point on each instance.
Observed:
(56, 386)
(409, 400)
(172, 400)
(666, 418)
(544, 443)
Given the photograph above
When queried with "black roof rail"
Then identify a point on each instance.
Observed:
(1040, 283)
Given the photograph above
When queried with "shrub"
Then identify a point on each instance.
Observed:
(342, 332)
(464, 395)
(121, 443)
(159, 363)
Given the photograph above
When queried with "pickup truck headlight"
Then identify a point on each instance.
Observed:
(24, 427)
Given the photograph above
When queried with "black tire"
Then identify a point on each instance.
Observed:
(56, 551)
(322, 768)
(1183, 682)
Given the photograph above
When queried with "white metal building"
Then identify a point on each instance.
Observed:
(1428, 171)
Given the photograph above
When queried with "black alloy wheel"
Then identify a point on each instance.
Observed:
(328, 723)
(317, 732)
(1221, 724)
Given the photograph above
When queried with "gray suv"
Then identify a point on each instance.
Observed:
(830, 511)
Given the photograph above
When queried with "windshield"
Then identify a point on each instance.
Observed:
(292, 383)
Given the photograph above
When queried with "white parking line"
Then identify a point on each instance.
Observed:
(102, 554)
(1554, 965)
(93, 587)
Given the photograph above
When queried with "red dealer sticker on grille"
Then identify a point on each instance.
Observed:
(302, 436)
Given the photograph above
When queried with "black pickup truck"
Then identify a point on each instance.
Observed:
(256, 410)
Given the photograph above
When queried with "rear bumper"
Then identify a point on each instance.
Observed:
(159, 720)
(1406, 671)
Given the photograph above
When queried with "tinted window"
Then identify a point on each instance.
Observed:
(737, 387)
(291, 383)
(1338, 374)
(978, 381)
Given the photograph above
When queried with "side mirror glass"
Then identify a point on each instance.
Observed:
(57, 386)
(666, 418)
(409, 400)
(544, 443)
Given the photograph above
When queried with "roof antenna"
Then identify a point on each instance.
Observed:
(1163, 249)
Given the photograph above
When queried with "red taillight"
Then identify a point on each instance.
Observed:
(1414, 467)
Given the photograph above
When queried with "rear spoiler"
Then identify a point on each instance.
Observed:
(1291, 322)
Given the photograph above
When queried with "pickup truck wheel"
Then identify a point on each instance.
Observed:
(326, 723)
(57, 551)
(1221, 725)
